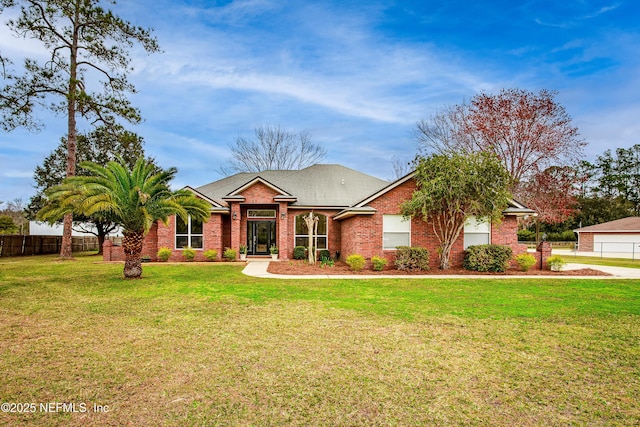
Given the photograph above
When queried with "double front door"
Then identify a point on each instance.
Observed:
(260, 236)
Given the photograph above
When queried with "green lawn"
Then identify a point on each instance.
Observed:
(203, 344)
(614, 262)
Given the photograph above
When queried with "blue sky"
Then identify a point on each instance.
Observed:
(357, 75)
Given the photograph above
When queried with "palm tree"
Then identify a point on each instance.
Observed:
(135, 198)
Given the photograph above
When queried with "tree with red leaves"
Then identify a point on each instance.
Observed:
(529, 132)
(552, 193)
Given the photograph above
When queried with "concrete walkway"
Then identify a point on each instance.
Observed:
(258, 268)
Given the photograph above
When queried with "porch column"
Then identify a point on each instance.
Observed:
(284, 242)
(235, 228)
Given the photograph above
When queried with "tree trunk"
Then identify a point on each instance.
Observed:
(132, 246)
(101, 238)
(312, 225)
(66, 246)
(65, 250)
(101, 234)
(445, 257)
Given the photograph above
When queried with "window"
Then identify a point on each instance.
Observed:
(396, 231)
(476, 232)
(188, 233)
(302, 233)
(261, 213)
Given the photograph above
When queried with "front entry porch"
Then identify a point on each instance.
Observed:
(260, 236)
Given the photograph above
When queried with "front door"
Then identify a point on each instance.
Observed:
(260, 236)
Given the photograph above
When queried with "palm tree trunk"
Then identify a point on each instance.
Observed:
(132, 246)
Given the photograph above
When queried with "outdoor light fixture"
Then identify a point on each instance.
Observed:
(283, 215)
(235, 215)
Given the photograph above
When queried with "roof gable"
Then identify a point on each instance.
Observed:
(316, 186)
(514, 208)
(215, 206)
(238, 191)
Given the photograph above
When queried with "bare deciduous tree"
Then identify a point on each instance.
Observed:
(273, 148)
(400, 167)
(529, 132)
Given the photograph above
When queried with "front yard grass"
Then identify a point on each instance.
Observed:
(613, 262)
(205, 345)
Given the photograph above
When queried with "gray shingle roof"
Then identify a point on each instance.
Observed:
(317, 185)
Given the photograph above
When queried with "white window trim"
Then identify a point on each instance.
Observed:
(188, 235)
(326, 236)
(396, 232)
(473, 225)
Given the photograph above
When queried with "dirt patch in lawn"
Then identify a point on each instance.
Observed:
(298, 267)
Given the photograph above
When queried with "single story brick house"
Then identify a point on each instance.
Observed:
(621, 236)
(358, 213)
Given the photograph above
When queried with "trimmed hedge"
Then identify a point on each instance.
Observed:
(356, 262)
(210, 254)
(299, 252)
(229, 254)
(494, 258)
(164, 254)
(378, 263)
(324, 253)
(189, 254)
(525, 261)
(412, 258)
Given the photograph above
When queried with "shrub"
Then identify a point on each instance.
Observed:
(562, 236)
(210, 254)
(299, 252)
(325, 254)
(525, 261)
(556, 262)
(526, 236)
(164, 254)
(229, 254)
(412, 258)
(494, 258)
(327, 261)
(355, 262)
(378, 263)
(189, 254)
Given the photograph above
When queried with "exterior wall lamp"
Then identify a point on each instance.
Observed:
(283, 215)
(234, 215)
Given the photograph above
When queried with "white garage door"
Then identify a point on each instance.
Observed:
(624, 243)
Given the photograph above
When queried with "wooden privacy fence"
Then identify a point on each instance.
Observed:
(16, 244)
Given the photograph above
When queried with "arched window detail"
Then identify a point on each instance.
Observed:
(302, 234)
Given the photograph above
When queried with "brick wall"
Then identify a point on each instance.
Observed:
(363, 233)
(359, 234)
(161, 235)
(506, 233)
(212, 238)
(585, 242)
(111, 252)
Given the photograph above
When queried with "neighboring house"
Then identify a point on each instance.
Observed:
(39, 228)
(358, 214)
(621, 236)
